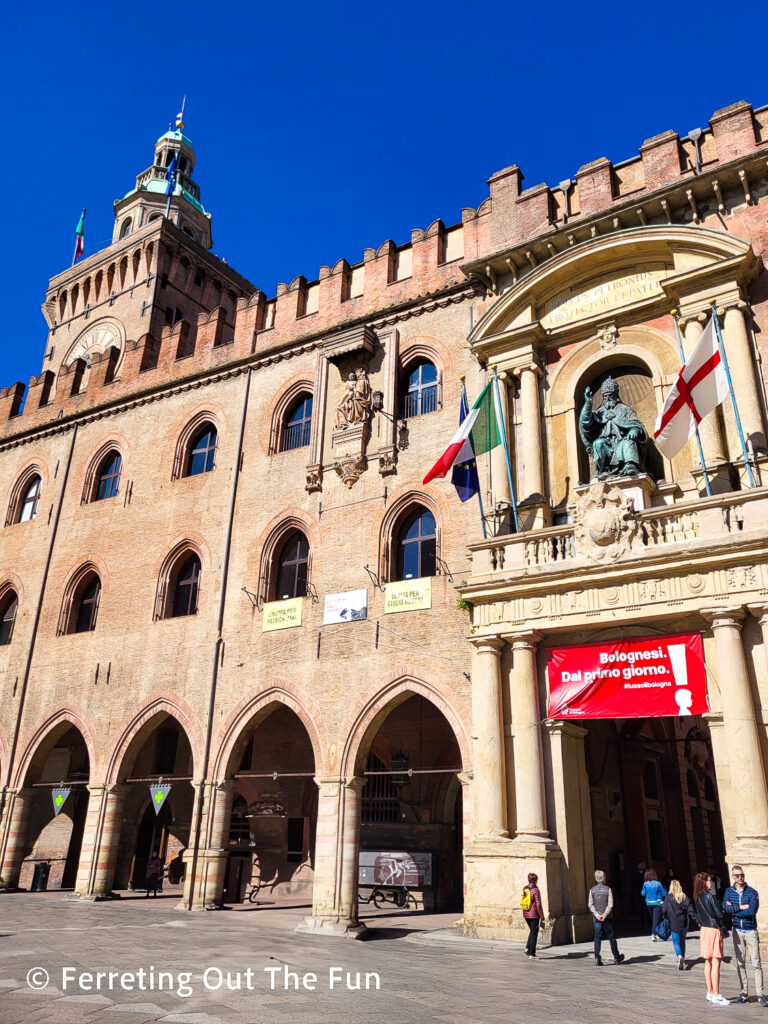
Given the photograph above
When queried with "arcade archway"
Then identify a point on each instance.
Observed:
(273, 816)
(412, 809)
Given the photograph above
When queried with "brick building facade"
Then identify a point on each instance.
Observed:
(195, 453)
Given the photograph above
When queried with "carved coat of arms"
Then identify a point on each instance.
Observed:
(604, 523)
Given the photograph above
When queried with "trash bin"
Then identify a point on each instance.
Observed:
(40, 877)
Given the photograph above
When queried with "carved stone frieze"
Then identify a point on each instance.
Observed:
(604, 524)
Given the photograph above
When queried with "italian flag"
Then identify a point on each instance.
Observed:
(477, 434)
(79, 232)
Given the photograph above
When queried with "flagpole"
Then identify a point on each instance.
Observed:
(506, 450)
(733, 397)
(479, 488)
(676, 318)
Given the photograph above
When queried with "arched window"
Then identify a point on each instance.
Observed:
(292, 567)
(202, 451)
(8, 608)
(298, 425)
(31, 500)
(125, 228)
(416, 546)
(109, 477)
(185, 587)
(86, 604)
(418, 390)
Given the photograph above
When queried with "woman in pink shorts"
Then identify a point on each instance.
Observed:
(710, 915)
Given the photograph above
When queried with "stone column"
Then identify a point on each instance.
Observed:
(217, 857)
(760, 612)
(501, 490)
(749, 799)
(488, 799)
(337, 843)
(709, 429)
(17, 816)
(529, 770)
(194, 855)
(743, 373)
(531, 463)
(101, 841)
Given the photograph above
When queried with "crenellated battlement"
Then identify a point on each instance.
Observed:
(189, 313)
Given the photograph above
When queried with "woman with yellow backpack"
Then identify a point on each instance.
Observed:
(533, 912)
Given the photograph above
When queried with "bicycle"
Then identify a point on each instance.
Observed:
(399, 895)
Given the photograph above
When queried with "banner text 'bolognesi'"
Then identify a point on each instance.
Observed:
(632, 678)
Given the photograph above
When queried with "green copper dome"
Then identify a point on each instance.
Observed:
(175, 137)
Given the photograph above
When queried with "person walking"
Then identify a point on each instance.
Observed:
(741, 902)
(710, 917)
(653, 892)
(154, 871)
(601, 904)
(677, 910)
(533, 913)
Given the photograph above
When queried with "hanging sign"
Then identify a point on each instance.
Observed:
(159, 793)
(408, 595)
(644, 677)
(59, 797)
(346, 607)
(281, 614)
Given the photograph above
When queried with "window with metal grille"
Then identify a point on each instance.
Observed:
(186, 587)
(416, 546)
(87, 604)
(109, 477)
(418, 391)
(8, 609)
(292, 567)
(31, 500)
(202, 451)
(380, 800)
(298, 425)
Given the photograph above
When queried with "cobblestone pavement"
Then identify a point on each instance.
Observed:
(427, 976)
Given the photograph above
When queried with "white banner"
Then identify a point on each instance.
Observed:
(346, 607)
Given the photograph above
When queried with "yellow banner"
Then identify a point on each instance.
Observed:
(408, 595)
(281, 615)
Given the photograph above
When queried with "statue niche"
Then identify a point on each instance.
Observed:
(352, 426)
(612, 434)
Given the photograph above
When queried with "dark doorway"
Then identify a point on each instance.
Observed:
(654, 802)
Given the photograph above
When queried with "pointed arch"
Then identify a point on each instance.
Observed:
(363, 723)
(255, 707)
(64, 716)
(137, 728)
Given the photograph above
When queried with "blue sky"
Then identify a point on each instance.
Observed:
(321, 129)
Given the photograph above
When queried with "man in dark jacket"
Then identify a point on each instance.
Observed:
(601, 905)
(741, 902)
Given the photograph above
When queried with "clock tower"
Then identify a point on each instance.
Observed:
(157, 271)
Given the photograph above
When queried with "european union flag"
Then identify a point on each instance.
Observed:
(464, 476)
(170, 175)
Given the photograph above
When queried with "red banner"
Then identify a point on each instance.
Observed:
(641, 677)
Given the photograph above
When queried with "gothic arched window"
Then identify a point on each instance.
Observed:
(8, 608)
(185, 587)
(30, 501)
(86, 604)
(298, 425)
(202, 451)
(416, 545)
(292, 567)
(418, 390)
(109, 477)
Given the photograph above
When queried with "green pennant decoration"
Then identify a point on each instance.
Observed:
(59, 797)
(159, 792)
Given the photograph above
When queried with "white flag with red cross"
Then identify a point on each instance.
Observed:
(701, 386)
